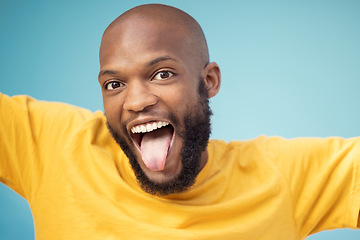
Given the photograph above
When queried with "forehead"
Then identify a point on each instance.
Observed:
(138, 39)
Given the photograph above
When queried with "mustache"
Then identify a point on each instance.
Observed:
(150, 113)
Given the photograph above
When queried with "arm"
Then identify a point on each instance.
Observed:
(16, 142)
(31, 129)
(324, 179)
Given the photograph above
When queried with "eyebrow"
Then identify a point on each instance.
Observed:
(160, 59)
(151, 63)
(107, 72)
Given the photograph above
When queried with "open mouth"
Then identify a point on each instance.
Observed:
(154, 140)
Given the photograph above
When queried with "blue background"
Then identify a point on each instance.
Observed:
(289, 68)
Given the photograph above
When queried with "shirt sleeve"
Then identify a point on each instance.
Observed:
(323, 177)
(29, 129)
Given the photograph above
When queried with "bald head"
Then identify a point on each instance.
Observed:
(181, 25)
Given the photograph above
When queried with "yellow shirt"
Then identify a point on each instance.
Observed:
(80, 186)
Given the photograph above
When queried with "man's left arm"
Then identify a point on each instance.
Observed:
(324, 179)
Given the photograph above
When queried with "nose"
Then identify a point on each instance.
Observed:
(139, 97)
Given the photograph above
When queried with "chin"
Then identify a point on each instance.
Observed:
(165, 176)
(160, 177)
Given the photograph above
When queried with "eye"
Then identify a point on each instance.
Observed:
(163, 75)
(112, 85)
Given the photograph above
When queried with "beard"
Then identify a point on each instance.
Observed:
(195, 137)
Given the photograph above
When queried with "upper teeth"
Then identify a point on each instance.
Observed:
(148, 127)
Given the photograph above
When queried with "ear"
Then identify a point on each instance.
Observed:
(212, 79)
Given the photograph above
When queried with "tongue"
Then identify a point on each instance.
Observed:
(154, 148)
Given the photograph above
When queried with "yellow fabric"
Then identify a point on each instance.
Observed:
(80, 185)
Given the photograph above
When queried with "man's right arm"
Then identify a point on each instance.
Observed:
(29, 131)
(16, 141)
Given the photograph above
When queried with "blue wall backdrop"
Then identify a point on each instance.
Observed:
(289, 68)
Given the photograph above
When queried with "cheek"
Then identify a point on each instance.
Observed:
(183, 98)
(112, 108)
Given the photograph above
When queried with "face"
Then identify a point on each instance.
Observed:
(155, 103)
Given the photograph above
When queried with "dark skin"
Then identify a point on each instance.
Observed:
(152, 59)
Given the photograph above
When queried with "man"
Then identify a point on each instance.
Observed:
(156, 79)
